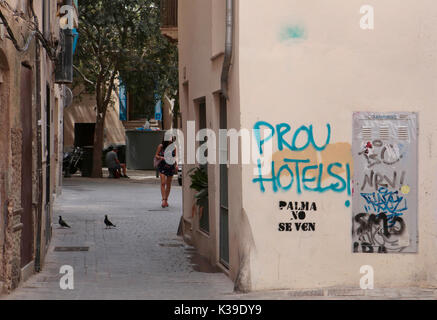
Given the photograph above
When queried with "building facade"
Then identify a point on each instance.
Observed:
(342, 94)
(31, 135)
(81, 114)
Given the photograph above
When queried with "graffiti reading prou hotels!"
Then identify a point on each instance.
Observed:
(302, 174)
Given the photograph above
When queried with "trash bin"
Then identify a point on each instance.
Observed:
(87, 161)
(141, 147)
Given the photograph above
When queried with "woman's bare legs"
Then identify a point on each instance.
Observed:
(163, 189)
(167, 188)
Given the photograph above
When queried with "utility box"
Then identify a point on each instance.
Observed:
(384, 200)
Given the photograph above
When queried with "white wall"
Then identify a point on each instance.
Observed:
(201, 48)
(82, 111)
(333, 69)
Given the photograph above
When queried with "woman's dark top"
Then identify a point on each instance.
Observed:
(164, 167)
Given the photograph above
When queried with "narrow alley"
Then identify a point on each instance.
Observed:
(142, 258)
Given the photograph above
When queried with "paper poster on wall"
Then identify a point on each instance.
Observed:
(384, 200)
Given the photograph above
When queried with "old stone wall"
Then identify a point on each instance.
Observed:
(11, 135)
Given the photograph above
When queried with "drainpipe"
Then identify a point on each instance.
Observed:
(228, 47)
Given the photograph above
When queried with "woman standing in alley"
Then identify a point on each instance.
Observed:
(166, 169)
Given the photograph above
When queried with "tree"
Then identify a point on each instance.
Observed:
(121, 40)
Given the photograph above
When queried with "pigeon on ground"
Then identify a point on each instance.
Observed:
(108, 223)
(62, 223)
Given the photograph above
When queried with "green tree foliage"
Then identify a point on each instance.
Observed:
(199, 183)
(121, 39)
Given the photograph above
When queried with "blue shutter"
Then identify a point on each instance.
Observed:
(75, 38)
(123, 102)
(158, 111)
(158, 108)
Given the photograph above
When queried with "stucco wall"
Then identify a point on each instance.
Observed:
(167, 112)
(201, 55)
(83, 111)
(310, 63)
(199, 51)
(11, 222)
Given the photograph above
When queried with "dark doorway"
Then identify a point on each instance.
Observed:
(84, 134)
(224, 212)
(48, 164)
(26, 165)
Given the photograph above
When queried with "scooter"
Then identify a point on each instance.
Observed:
(72, 161)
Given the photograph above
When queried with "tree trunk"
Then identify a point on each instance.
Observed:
(102, 99)
(98, 147)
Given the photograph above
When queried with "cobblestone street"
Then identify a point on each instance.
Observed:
(140, 259)
(143, 258)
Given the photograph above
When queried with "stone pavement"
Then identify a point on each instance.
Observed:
(140, 259)
(335, 293)
(143, 258)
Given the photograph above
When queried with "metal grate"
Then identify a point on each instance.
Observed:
(384, 133)
(71, 249)
(403, 133)
(171, 245)
(366, 133)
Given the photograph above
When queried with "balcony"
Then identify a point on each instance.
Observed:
(169, 19)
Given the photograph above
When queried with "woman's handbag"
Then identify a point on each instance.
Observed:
(156, 162)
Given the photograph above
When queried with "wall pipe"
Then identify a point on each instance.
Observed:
(228, 47)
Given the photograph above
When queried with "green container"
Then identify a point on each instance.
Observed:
(141, 148)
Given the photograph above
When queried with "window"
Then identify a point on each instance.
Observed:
(204, 218)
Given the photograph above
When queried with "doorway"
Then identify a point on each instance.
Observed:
(204, 218)
(26, 165)
(48, 119)
(224, 211)
(84, 134)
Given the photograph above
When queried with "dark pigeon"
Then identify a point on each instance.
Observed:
(62, 223)
(108, 223)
